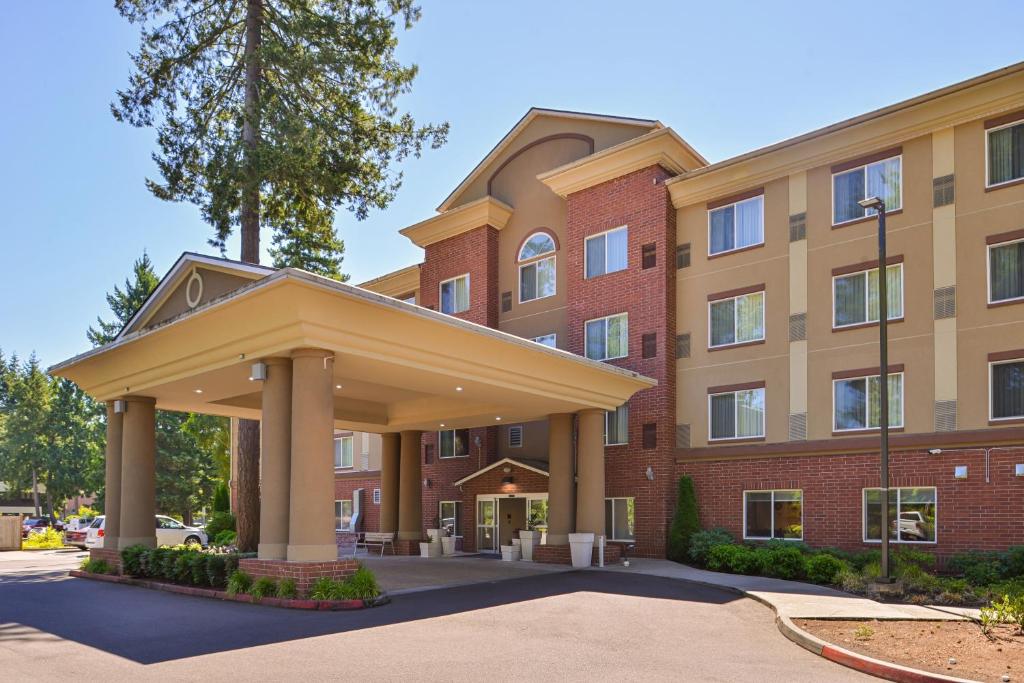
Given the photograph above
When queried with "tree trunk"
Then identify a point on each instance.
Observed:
(248, 512)
(187, 517)
(35, 491)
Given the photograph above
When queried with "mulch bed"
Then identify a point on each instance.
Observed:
(952, 648)
(297, 603)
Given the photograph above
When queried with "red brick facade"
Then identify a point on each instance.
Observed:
(304, 574)
(474, 252)
(972, 513)
(524, 481)
(441, 472)
(344, 488)
(640, 201)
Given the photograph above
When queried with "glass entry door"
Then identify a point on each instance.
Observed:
(486, 526)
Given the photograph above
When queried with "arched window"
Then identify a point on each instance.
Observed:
(537, 267)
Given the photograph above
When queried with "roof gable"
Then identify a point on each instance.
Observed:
(503, 461)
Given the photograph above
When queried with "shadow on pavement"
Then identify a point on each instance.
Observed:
(148, 626)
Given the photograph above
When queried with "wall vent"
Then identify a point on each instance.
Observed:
(683, 255)
(945, 416)
(798, 227)
(515, 436)
(649, 344)
(506, 302)
(945, 302)
(798, 426)
(683, 345)
(650, 435)
(682, 436)
(798, 327)
(943, 192)
(648, 256)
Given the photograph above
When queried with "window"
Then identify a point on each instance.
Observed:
(608, 338)
(343, 515)
(606, 253)
(855, 296)
(736, 226)
(857, 402)
(343, 451)
(878, 179)
(773, 514)
(451, 517)
(736, 320)
(1005, 153)
(736, 414)
(455, 295)
(911, 515)
(454, 443)
(537, 271)
(1007, 382)
(538, 516)
(546, 340)
(616, 426)
(376, 496)
(1006, 271)
(619, 516)
(515, 436)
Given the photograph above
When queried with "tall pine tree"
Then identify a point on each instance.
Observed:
(274, 113)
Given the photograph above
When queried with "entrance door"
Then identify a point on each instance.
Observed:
(486, 533)
(511, 519)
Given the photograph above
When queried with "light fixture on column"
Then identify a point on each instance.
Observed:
(120, 406)
(426, 483)
(258, 372)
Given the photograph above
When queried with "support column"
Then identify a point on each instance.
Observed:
(410, 488)
(138, 473)
(390, 459)
(590, 473)
(560, 479)
(112, 505)
(311, 534)
(275, 459)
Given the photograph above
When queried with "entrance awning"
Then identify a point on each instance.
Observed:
(397, 365)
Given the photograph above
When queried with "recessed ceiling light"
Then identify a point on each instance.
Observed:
(442, 424)
(199, 391)
(337, 386)
(458, 388)
(498, 418)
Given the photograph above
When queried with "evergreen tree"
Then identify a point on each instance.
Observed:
(25, 447)
(274, 113)
(125, 302)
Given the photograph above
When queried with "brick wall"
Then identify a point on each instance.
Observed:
(640, 201)
(303, 573)
(346, 484)
(442, 472)
(524, 481)
(474, 252)
(111, 556)
(971, 513)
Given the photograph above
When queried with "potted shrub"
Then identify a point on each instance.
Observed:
(430, 548)
(447, 545)
(527, 540)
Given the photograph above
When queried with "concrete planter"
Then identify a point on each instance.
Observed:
(430, 549)
(510, 553)
(582, 548)
(448, 545)
(435, 535)
(527, 540)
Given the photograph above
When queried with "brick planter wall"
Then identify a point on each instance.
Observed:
(111, 556)
(303, 573)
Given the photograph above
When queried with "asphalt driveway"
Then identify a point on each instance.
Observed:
(560, 626)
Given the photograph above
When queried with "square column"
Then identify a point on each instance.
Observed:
(560, 479)
(311, 535)
(112, 505)
(590, 473)
(410, 488)
(390, 459)
(138, 473)
(275, 459)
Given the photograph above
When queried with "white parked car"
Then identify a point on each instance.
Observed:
(168, 532)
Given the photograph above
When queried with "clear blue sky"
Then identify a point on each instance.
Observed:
(728, 77)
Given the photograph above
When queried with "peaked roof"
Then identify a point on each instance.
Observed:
(528, 118)
(538, 466)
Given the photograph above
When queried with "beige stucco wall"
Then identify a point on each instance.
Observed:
(215, 284)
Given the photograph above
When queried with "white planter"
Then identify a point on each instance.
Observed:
(582, 548)
(434, 534)
(448, 545)
(510, 553)
(430, 549)
(516, 541)
(527, 540)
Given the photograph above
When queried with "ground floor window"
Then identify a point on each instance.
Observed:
(451, 517)
(911, 514)
(773, 514)
(454, 443)
(537, 515)
(343, 515)
(619, 517)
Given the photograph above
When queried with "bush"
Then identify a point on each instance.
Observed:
(221, 498)
(131, 560)
(904, 557)
(286, 589)
(197, 569)
(263, 587)
(685, 523)
(361, 586)
(48, 539)
(979, 568)
(786, 562)
(702, 542)
(239, 582)
(217, 570)
(720, 558)
(96, 567)
(224, 538)
(1014, 562)
(218, 522)
(850, 580)
(864, 558)
(824, 568)
(323, 588)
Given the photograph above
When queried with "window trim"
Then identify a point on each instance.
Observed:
(867, 408)
(554, 338)
(991, 388)
(989, 185)
(867, 295)
(605, 233)
(719, 207)
(897, 489)
(772, 537)
(988, 273)
(735, 390)
(764, 311)
(351, 438)
(450, 457)
(608, 532)
(440, 295)
(606, 317)
(342, 510)
(864, 166)
(606, 416)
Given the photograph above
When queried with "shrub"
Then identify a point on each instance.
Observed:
(286, 589)
(217, 570)
(221, 498)
(850, 580)
(239, 582)
(786, 562)
(904, 557)
(218, 522)
(360, 586)
(1014, 562)
(864, 558)
(48, 539)
(685, 523)
(183, 566)
(323, 588)
(131, 560)
(720, 558)
(824, 568)
(978, 567)
(263, 587)
(1010, 609)
(871, 571)
(169, 564)
(197, 569)
(702, 542)
(226, 537)
(96, 566)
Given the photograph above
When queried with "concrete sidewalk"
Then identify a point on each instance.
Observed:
(790, 599)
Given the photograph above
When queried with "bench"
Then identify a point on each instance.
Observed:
(373, 538)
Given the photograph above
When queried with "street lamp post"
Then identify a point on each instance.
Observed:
(883, 377)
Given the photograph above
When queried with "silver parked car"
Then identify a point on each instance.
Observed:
(168, 532)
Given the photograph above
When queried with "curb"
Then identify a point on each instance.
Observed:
(194, 591)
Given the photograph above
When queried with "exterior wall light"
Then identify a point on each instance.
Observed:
(508, 480)
(960, 472)
(121, 407)
(258, 372)
(650, 473)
